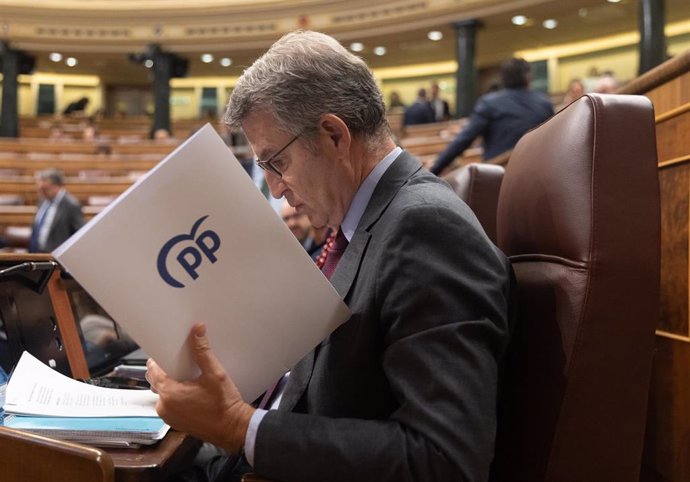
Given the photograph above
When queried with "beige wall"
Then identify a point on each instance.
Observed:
(68, 88)
(406, 80)
(622, 62)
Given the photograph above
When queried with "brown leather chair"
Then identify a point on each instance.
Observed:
(27, 457)
(478, 185)
(579, 217)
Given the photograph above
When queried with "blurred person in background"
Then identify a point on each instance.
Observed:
(501, 117)
(576, 89)
(58, 216)
(439, 105)
(420, 112)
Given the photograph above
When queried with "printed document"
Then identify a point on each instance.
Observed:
(36, 389)
(195, 240)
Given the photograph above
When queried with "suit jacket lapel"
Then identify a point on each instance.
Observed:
(390, 183)
(59, 213)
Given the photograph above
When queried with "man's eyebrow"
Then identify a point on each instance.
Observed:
(266, 153)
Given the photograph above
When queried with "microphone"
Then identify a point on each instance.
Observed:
(28, 267)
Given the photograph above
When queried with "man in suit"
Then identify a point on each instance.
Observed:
(420, 112)
(406, 388)
(58, 216)
(439, 105)
(502, 117)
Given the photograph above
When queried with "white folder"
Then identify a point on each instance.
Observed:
(195, 240)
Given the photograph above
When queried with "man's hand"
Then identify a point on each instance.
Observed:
(209, 407)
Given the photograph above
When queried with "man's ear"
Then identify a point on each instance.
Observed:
(336, 131)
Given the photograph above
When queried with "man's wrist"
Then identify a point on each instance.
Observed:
(238, 427)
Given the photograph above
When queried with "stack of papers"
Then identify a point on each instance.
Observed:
(45, 402)
(122, 432)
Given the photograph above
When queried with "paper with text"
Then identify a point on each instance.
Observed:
(195, 240)
(36, 389)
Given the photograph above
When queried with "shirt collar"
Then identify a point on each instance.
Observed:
(58, 197)
(363, 194)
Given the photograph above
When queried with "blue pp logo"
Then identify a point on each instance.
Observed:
(191, 256)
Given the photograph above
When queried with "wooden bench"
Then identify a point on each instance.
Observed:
(667, 437)
(26, 145)
(75, 167)
(434, 128)
(24, 215)
(81, 189)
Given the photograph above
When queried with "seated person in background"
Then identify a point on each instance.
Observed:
(89, 131)
(298, 223)
(576, 89)
(607, 84)
(58, 216)
(501, 117)
(395, 103)
(420, 112)
(56, 132)
(76, 107)
(316, 241)
(310, 237)
(161, 135)
(406, 388)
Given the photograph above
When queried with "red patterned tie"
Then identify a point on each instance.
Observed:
(328, 259)
(333, 252)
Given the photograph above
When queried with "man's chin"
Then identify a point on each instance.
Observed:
(316, 223)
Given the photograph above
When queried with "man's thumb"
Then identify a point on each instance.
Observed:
(201, 349)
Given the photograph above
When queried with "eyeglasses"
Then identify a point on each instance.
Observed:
(268, 164)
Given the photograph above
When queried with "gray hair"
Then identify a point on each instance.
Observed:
(305, 75)
(54, 176)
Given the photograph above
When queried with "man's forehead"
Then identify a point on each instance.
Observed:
(263, 133)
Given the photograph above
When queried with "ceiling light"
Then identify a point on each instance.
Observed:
(380, 50)
(435, 35)
(207, 58)
(55, 56)
(148, 63)
(613, 1)
(226, 62)
(71, 61)
(519, 20)
(356, 46)
(550, 23)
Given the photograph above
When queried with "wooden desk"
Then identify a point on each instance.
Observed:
(148, 464)
(153, 464)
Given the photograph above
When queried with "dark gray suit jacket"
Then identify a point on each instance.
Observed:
(405, 389)
(67, 221)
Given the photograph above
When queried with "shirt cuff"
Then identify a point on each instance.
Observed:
(250, 438)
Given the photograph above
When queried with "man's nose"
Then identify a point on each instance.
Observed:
(275, 184)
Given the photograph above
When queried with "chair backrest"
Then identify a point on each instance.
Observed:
(28, 457)
(579, 217)
(478, 185)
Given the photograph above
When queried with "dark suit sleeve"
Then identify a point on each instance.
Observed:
(441, 292)
(478, 123)
(77, 218)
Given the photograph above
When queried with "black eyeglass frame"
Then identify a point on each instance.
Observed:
(268, 165)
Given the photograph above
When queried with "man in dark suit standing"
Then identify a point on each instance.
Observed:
(58, 216)
(502, 117)
(406, 389)
(438, 104)
(419, 112)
